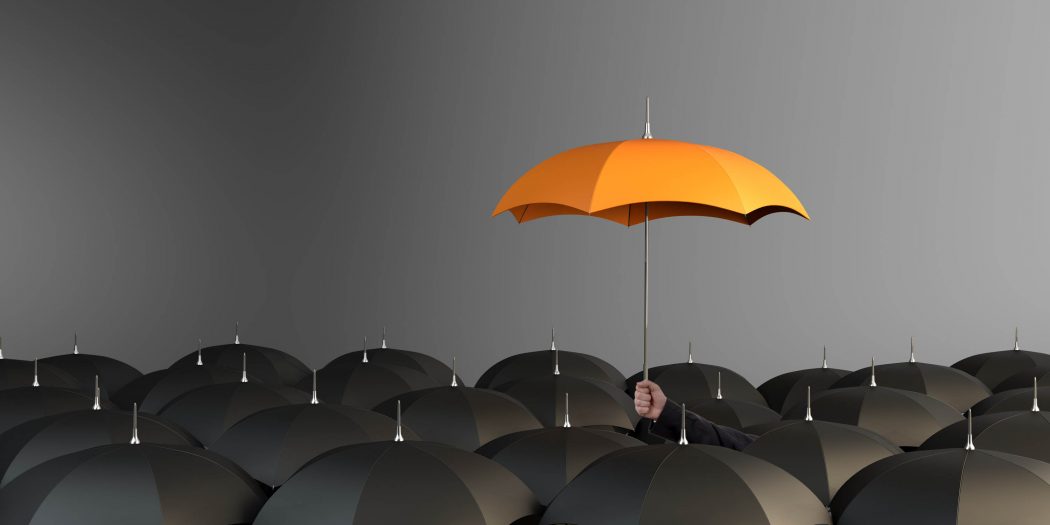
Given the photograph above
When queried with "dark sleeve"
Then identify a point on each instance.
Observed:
(698, 430)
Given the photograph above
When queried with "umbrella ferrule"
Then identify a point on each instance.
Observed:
(682, 440)
(1017, 339)
(313, 391)
(648, 132)
(244, 367)
(718, 392)
(809, 405)
(76, 349)
(824, 361)
(98, 396)
(454, 382)
(134, 424)
(200, 352)
(1035, 394)
(911, 357)
(690, 360)
(237, 333)
(1, 347)
(566, 423)
(36, 373)
(397, 436)
(969, 430)
(872, 384)
(553, 347)
(557, 371)
(364, 350)
(383, 345)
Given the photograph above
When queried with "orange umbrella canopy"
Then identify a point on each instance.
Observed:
(616, 180)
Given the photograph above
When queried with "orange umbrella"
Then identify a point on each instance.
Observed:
(632, 181)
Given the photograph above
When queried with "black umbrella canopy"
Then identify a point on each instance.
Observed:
(1024, 379)
(821, 454)
(400, 482)
(1010, 400)
(272, 444)
(209, 411)
(789, 388)
(39, 440)
(1024, 433)
(906, 418)
(460, 416)
(948, 486)
(16, 373)
(541, 362)
(267, 365)
(992, 368)
(368, 384)
(155, 390)
(732, 412)
(18, 405)
(417, 361)
(146, 483)
(547, 459)
(112, 374)
(661, 484)
(694, 381)
(594, 402)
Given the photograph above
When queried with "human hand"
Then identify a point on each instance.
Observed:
(649, 399)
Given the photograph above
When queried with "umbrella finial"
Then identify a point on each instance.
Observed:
(313, 392)
(1, 347)
(566, 423)
(134, 424)
(398, 436)
(200, 352)
(824, 362)
(809, 406)
(648, 132)
(872, 372)
(36, 373)
(384, 338)
(969, 430)
(557, 371)
(690, 360)
(244, 367)
(1017, 338)
(911, 358)
(76, 349)
(681, 436)
(718, 393)
(237, 332)
(553, 348)
(98, 396)
(454, 382)
(1035, 394)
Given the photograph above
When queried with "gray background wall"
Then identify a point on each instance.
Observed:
(316, 170)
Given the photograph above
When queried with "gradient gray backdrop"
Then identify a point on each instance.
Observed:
(316, 170)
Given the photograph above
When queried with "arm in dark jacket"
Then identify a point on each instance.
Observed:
(698, 430)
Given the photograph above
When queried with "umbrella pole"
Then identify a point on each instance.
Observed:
(645, 329)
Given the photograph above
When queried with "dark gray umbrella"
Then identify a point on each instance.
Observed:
(1009, 401)
(209, 411)
(155, 390)
(42, 439)
(695, 381)
(461, 416)
(132, 484)
(268, 365)
(1024, 379)
(960, 486)
(365, 385)
(735, 413)
(540, 363)
(821, 454)
(18, 405)
(112, 374)
(787, 389)
(16, 373)
(400, 482)
(429, 366)
(992, 368)
(596, 402)
(663, 484)
(273, 444)
(547, 459)
(954, 387)
(904, 417)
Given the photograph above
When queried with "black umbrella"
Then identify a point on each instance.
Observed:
(695, 381)
(273, 444)
(735, 413)
(400, 482)
(787, 389)
(1009, 401)
(661, 484)
(821, 454)
(1024, 379)
(16, 373)
(112, 374)
(18, 405)
(365, 385)
(993, 368)
(461, 416)
(417, 361)
(547, 459)
(952, 386)
(960, 486)
(209, 411)
(147, 483)
(268, 365)
(155, 390)
(906, 418)
(540, 363)
(596, 402)
(42, 439)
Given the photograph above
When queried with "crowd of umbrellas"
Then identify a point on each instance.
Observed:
(240, 433)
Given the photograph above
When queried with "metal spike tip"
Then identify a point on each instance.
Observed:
(553, 347)
(454, 382)
(690, 360)
(76, 349)
(911, 357)
(566, 423)
(1017, 338)
(134, 424)
(824, 362)
(1, 347)
(237, 333)
(384, 338)
(557, 371)
(682, 440)
(809, 406)
(98, 396)
(969, 430)
(36, 373)
(1035, 394)
(364, 348)
(872, 372)
(313, 392)
(200, 352)
(718, 393)
(244, 367)
(398, 437)
(648, 132)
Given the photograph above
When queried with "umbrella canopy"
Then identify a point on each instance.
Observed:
(39, 440)
(1024, 379)
(694, 381)
(952, 486)
(209, 411)
(16, 373)
(400, 482)
(992, 368)
(541, 362)
(417, 361)
(1009, 401)
(821, 454)
(147, 483)
(787, 389)
(1024, 432)
(659, 484)
(112, 374)
(906, 418)
(952, 386)
(273, 444)
(460, 416)
(18, 405)
(631, 181)
(155, 390)
(547, 459)
(732, 412)
(268, 365)
(595, 402)
(366, 385)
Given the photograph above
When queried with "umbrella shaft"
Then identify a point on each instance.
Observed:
(645, 329)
